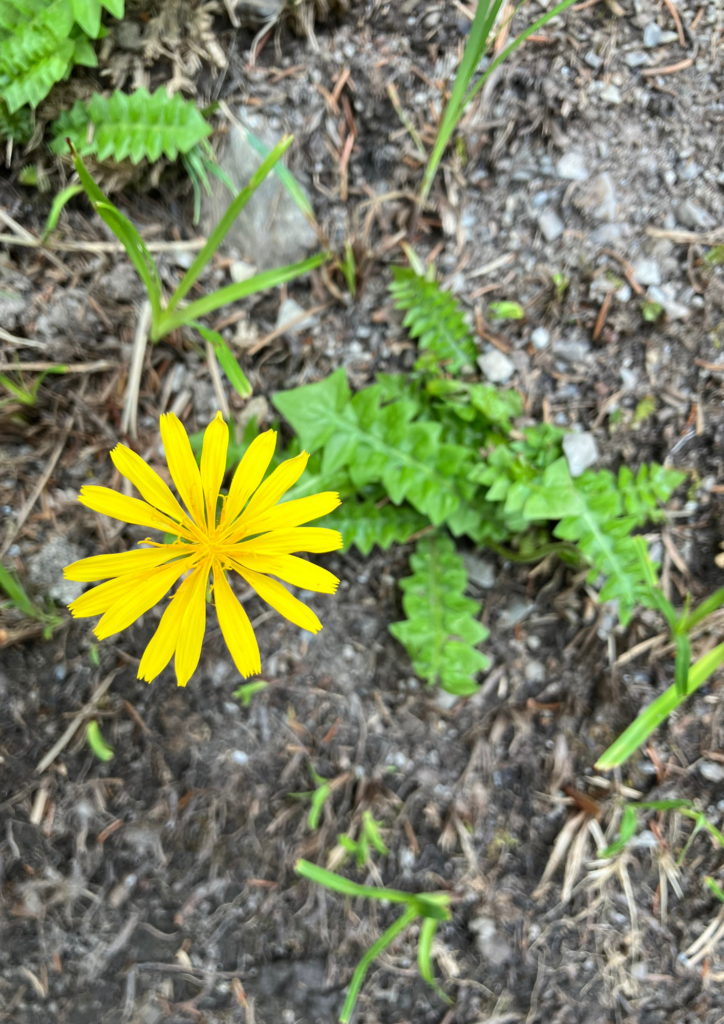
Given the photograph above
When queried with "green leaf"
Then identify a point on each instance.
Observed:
(629, 823)
(440, 632)
(58, 203)
(434, 318)
(248, 690)
(229, 364)
(96, 742)
(506, 311)
(363, 524)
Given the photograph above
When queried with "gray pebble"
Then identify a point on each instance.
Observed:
(491, 944)
(540, 337)
(593, 60)
(551, 225)
(636, 58)
(496, 366)
(573, 350)
(611, 94)
(602, 198)
(581, 451)
(572, 167)
(289, 310)
(480, 571)
(647, 272)
(240, 271)
(535, 671)
(711, 771)
(694, 217)
(652, 35)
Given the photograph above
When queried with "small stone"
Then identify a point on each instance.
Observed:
(518, 608)
(606, 234)
(666, 297)
(711, 771)
(540, 338)
(581, 451)
(491, 944)
(647, 272)
(446, 700)
(535, 671)
(239, 757)
(601, 198)
(628, 377)
(496, 366)
(572, 167)
(652, 35)
(240, 271)
(593, 60)
(481, 571)
(611, 94)
(45, 570)
(573, 350)
(289, 310)
(694, 217)
(689, 171)
(551, 225)
(636, 58)
(667, 37)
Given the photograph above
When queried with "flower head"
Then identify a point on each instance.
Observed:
(251, 534)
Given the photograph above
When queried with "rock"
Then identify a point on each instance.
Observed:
(540, 338)
(535, 671)
(446, 700)
(694, 217)
(573, 350)
(551, 225)
(271, 230)
(11, 306)
(711, 771)
(668, 37)
(652, 35)
(611, 94)
(240, 271)
(128, 36)
(258, 12)
(629, 378)
(481, 571)
(689, 170)
(647, 272)
(666, 297)
(636, 58)
(518, 608)
(572, 167)
(581, 451)
(120, 284)
(491, 944)
(593, 60)
(496, 366)
(600, 200)
(606, 234)
(289, 310)
(45, 570)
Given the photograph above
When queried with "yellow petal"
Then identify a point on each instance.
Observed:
(213, 464)
(145, 480)
(289, 514)
(235, 627)
(129, 510)
(193, 626)
(291, 569)
(314, 539)
(283, 477)
(163, 643)
(182, 464)
(101, 567)
(279, 598)
(101, 598)
(130, 606)
(249, 474)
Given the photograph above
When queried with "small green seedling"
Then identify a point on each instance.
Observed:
(20, 600)
(317, 797)
(96, 742)
(715, 256)
(560, 283)
(369, 836)
(170, 316)
(714, 886)
(429, 908)
(687, 677)
(26, 395)
(645, 408)
(651, 311)
(248, 690)
(506, 311)
(630, 820)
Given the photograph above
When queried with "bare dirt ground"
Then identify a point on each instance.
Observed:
(159, 886)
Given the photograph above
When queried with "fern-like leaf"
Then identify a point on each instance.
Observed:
(17, 126)
(599, 516)
(386, 443)
(87, 13)
(364, 524)
(136, 126)
(441, 632)
(434, 318)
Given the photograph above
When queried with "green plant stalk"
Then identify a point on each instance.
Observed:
(386, 939)
(640, 729)
(474, 48)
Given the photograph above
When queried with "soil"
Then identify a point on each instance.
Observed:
(160, 885)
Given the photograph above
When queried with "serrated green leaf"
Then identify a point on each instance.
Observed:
(440, 632)
(363, 524)
(434, 318)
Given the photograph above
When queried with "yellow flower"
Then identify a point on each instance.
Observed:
(252, 534)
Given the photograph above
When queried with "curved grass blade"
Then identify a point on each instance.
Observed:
(386, 939)
(229, 364)
(56, 209)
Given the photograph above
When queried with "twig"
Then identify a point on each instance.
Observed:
(19, 232)
(98, 367)
(129, 421)
(191, 245)
(216, 381)
(14, 528)
(714, 237)
(670, 69)
(677, 21)
(13, 340)
(72, 729)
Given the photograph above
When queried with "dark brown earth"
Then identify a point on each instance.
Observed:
(159, 886)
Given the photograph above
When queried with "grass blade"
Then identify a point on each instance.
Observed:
(386, 939)
(237, 377)
(221, 230)
(14, 589)
(234, 292)
(640, 729)
(56, 209)
(338, 883)
(701, 611)
(286, 177)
